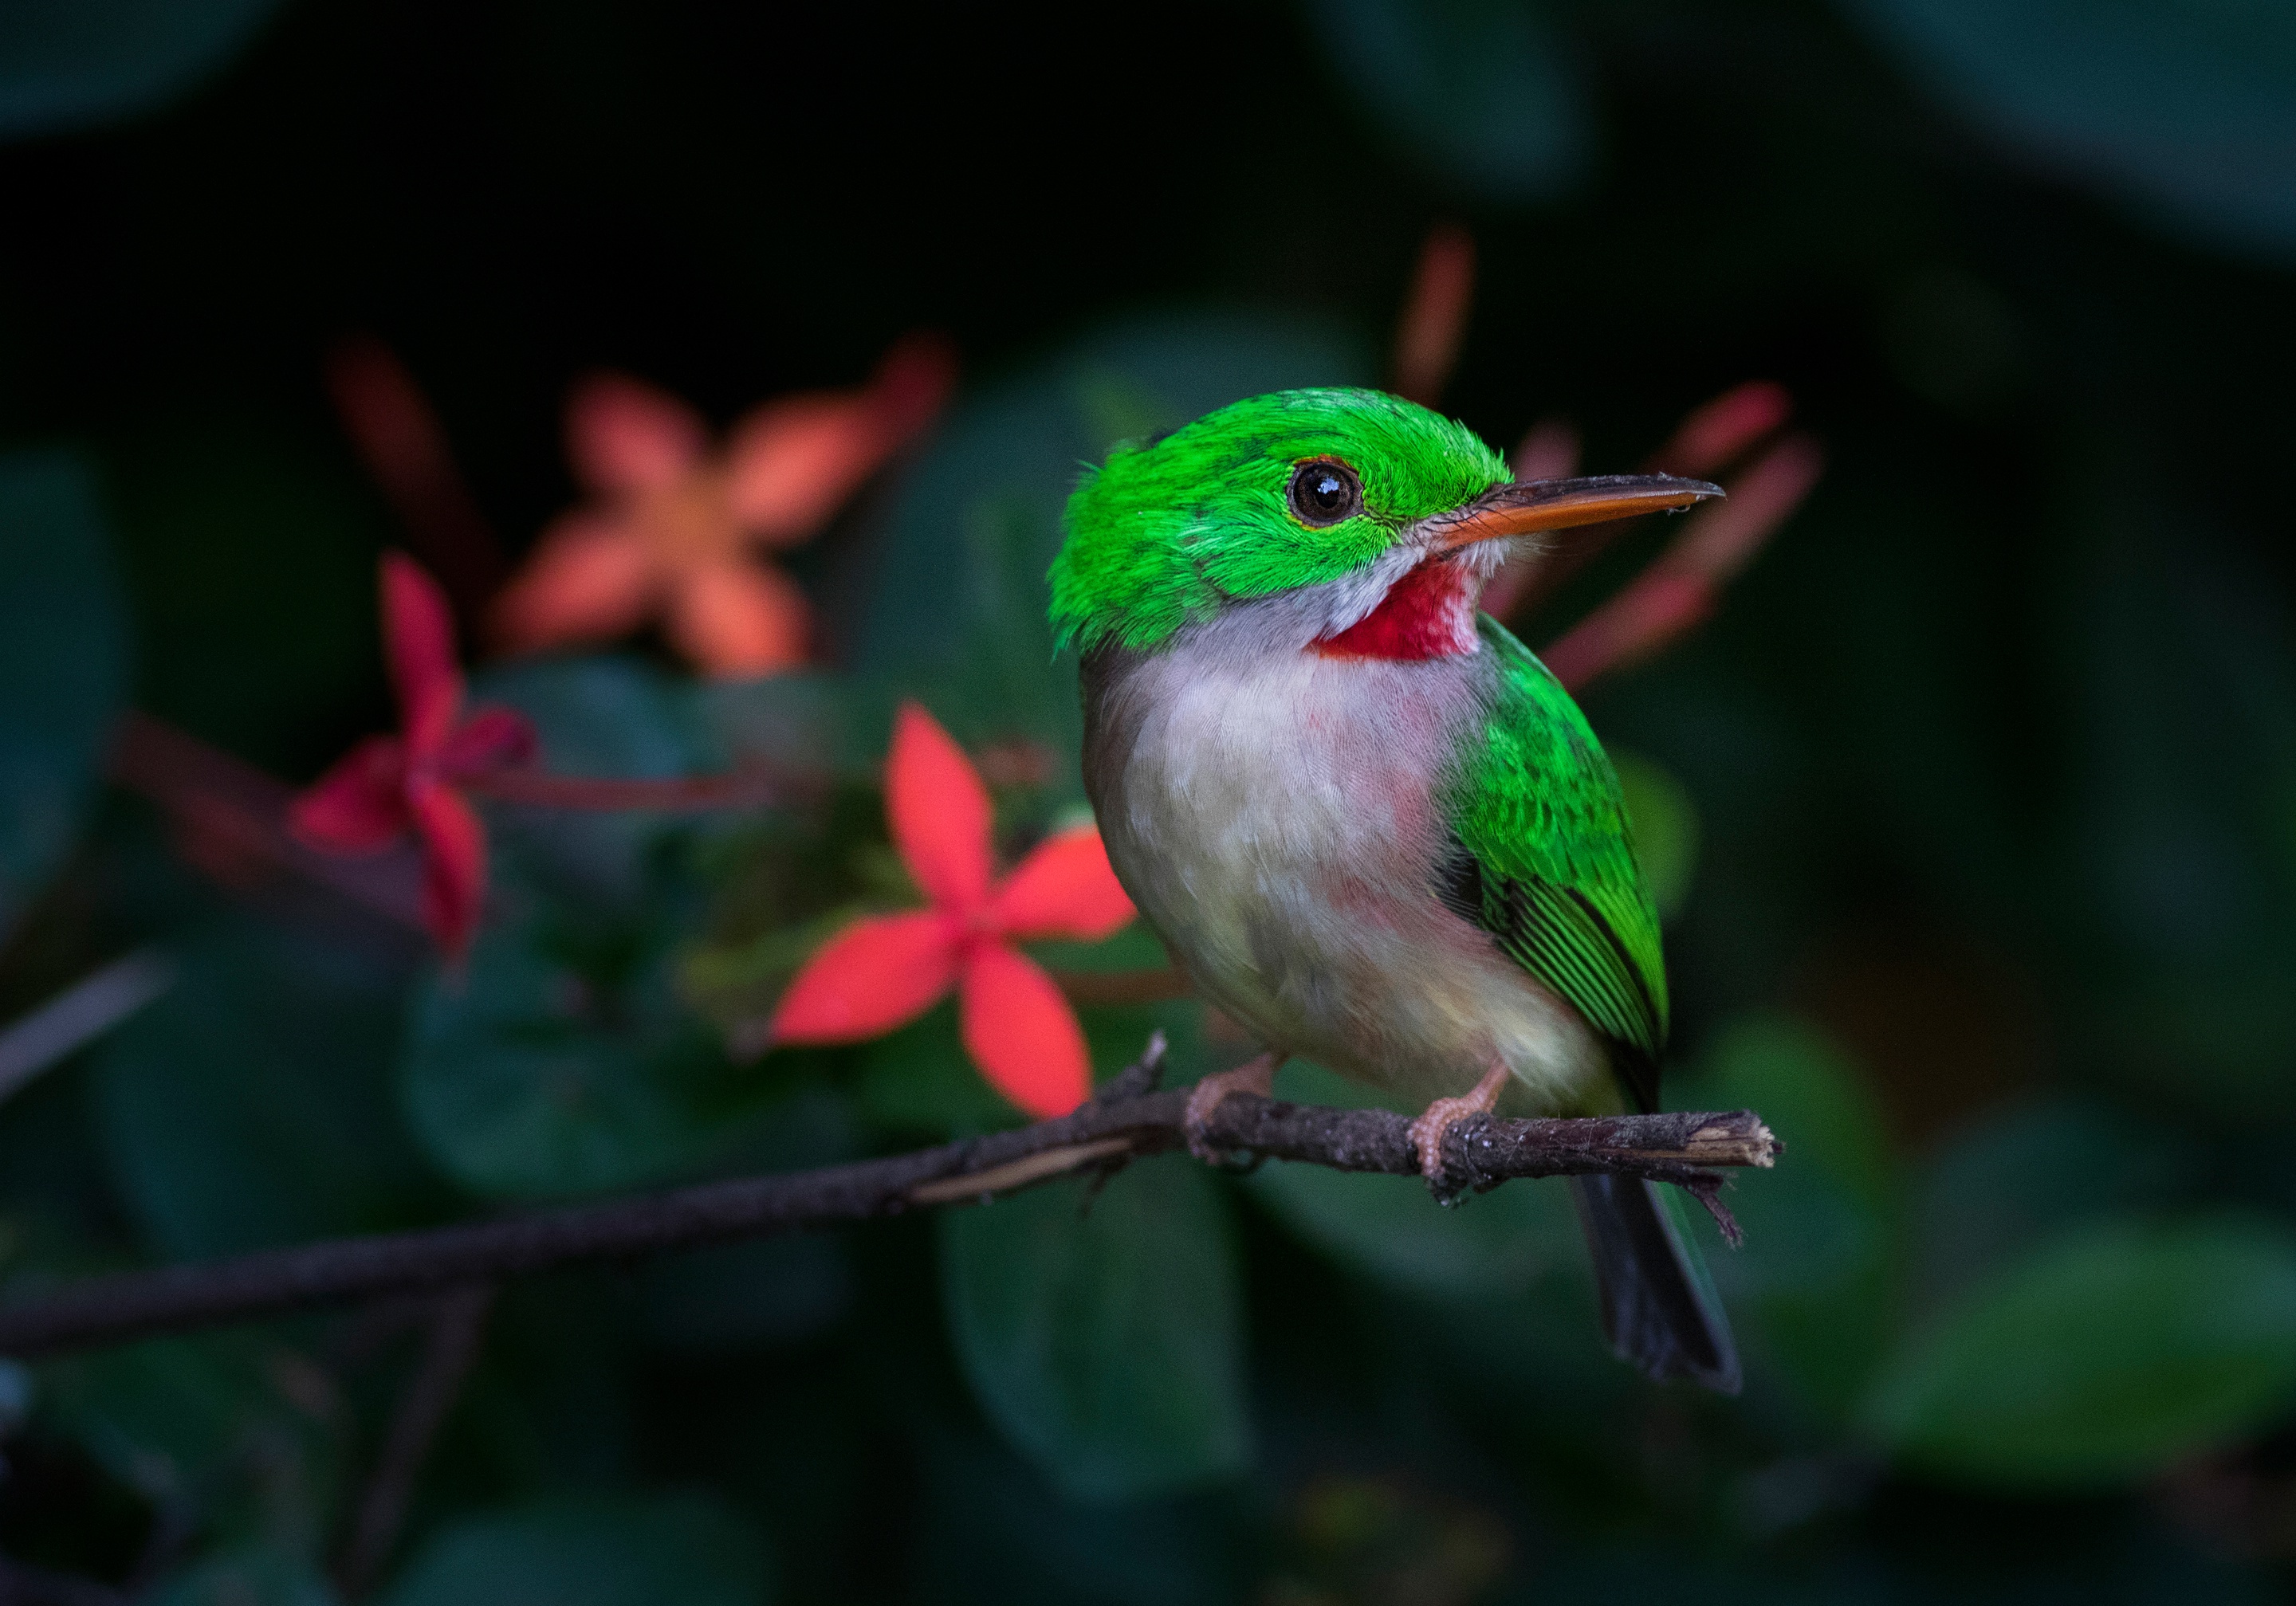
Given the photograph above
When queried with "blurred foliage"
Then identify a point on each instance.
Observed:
(1489, 93)
(1972, 813)
(1104, 1332)
(63, 660)
(66, 64)
(2186, 109)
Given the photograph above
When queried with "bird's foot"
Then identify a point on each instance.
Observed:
(1434, 1122)
(1256, 1076)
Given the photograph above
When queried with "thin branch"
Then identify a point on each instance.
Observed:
(1119, 988)
(80, 1014)
(1126, 1121)
(750, 787)
(457, 1330)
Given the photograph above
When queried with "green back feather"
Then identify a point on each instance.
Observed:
(1167, 530)
(1532, 798)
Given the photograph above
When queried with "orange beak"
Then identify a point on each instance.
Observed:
(1542, 505)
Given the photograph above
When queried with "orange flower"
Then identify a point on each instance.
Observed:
(884, 971)
(675, 527)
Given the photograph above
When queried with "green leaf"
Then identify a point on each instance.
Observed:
(253, 1576)
(1107, 1345)
(2027, 1173)
(1485, 92)
(918, 1079)
(2187, 112)
(64, 662)
(1818, 1269)
(739, 1296)
(72, 64)
(560, 1060)
(993, 1531)
(240, 1434)
(252, 1104)
(685, 1550)
(1666, 828)
(2115, 1351)
(1389, 1229)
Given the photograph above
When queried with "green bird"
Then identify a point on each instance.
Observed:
(1368, 824)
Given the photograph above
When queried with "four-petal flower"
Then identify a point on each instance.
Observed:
(883, 970)
(675, 527)
(387, 785)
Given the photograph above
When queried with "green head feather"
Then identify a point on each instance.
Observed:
(1168, 532)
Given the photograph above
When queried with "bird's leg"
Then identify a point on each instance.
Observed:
(1438, 1118)
(1256, 1076)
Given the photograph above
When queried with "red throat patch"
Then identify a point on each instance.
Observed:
(1427, 613)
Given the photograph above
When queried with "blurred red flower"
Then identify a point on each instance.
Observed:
(675, 527)
(884, 971)
(387, 785)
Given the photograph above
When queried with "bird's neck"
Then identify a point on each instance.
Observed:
(1429, 613)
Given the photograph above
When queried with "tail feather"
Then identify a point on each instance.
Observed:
(1660, 1315)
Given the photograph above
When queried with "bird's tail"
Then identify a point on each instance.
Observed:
(1658, 1306)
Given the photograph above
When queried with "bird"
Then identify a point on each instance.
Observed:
(1367, 823)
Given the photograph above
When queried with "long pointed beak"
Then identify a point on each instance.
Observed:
(1526, 509)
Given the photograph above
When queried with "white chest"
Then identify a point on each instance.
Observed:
(1275, 820)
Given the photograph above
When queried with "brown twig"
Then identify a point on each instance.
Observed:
(1128, 1119)
(740, 789)
(457, 1328)
(1119, 989)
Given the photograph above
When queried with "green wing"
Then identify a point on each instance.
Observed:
(1546, 861)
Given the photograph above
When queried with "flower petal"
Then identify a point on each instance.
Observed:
(590, 579)
(626, 435)
(878, 974)
(1021, 1033)
(736, 618)
(1064, 889)
(913, 382)
(357, 806)
(454, 865)
(791, 462)
(492, 736)
(794, 460)
(939, 811)
(418, 631)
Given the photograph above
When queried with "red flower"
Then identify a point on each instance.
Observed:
(677, 526)
(387, 785)
(884, 971)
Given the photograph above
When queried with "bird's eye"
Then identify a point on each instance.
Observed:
(1324, 492)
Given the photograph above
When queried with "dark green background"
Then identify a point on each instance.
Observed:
(1990, 762)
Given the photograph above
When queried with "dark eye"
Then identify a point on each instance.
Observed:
(1324, 492)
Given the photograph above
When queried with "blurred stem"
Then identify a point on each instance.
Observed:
(1128, 1120)
(456, 1332)
(739, 789)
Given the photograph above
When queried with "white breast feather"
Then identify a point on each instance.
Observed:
(1274, 823)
